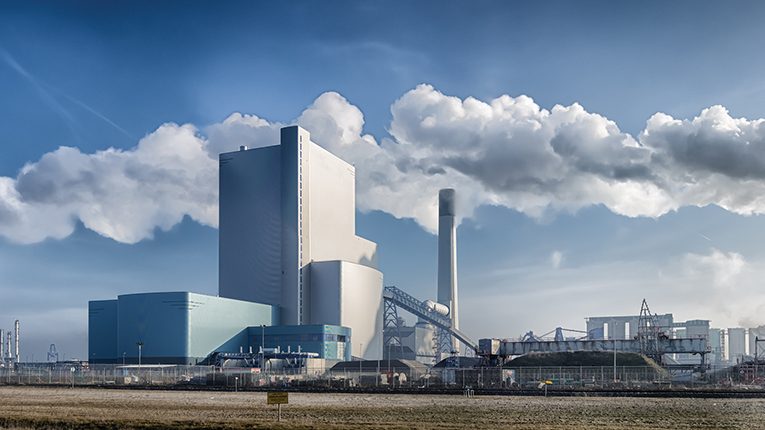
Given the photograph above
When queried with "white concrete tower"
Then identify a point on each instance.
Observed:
(18, 336)
(447, 257)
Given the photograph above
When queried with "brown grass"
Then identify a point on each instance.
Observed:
(29, 407)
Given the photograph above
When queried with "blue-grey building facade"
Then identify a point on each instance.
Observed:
(171, 328)
(329, 341)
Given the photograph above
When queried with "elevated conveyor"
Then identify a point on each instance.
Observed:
(417, 308)
(507, 348)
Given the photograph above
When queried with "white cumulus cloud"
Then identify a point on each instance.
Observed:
(122, 195)
(556, 258)
(508, 151)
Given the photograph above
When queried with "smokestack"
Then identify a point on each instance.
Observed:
(17, 340)
(447, 257)
(2, 346)
(10, 356)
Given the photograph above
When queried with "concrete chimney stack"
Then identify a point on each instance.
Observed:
(447, 257)
(17, 341)
(10, 353)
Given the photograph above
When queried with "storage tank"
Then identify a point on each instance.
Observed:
(437, 307)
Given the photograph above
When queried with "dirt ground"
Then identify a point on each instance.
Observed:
(33, 407)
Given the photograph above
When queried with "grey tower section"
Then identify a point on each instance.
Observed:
(447, 257)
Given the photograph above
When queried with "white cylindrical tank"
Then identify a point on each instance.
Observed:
(436, 307)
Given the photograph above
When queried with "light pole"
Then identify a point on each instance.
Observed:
(262, 345)
(389, 345)
(123, 358)
(140, 346)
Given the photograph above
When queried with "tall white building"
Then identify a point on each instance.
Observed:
(288, 238)
(736, 344)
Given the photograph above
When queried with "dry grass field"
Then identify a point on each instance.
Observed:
(30, 407)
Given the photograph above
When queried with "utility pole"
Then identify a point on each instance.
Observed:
(140, 346)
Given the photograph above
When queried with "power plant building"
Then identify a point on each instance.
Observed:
(288, 238)
(290, 267)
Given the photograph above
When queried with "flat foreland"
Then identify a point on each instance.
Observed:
(85, 408)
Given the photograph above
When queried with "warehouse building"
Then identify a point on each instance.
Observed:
(170, 328)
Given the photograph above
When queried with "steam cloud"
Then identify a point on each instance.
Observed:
(508, 151)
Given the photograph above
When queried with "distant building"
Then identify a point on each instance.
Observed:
(622, 327)
(691, 329)
(736, 344)
(757, 333)
(417, 343)
(716, 346)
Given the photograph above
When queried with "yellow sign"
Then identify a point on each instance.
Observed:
(548, 382)
(277, 398)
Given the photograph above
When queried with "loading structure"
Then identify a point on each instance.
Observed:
(394, 297)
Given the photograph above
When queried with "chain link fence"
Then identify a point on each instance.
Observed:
(383, 377)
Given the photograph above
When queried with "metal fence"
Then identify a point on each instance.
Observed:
(152, 375)
(383, 377)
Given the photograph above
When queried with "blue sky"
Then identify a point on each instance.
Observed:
(95, 75)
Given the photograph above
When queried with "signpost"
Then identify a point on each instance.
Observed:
(544, 385)
(277, 398)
